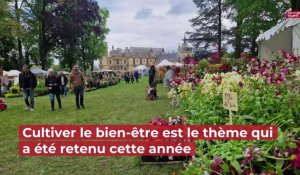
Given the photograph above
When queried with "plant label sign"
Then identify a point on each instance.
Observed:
(230, 101)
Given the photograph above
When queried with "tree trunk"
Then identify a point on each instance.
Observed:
(92, 66)
(238, 40)
(70, 58)
(19, 41)
(220, 27)
(43, 49)
(83, 54)
(27, 57)
(253, 49)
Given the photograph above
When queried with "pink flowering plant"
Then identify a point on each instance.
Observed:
(268, 93)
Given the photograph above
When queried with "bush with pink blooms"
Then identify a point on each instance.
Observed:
(268, 93)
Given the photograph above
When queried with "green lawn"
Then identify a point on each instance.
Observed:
(120, 104)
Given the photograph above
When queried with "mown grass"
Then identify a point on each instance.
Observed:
(120, 104)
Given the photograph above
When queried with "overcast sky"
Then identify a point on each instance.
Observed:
(148, 23)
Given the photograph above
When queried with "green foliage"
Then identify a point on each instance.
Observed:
(11, 95)
(15, 89)
(252, 18)
(39, 91)
(208, 30)
(32, 31)
(260, 105)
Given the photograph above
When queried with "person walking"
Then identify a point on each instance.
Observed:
(27, 83)
(168, 77)
(127, 78)
(63, 84)
(152, 78)
(53, 83)
(131, 77)
(136, 76)
(77, 83)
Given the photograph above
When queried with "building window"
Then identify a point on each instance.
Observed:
(117, 61)
(109, 61)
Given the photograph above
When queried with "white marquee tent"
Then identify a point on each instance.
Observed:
(38, 71)
(141, 69)
(178, 64)
(165, 63)
(284, 36)
(8, 74)
(12, 73)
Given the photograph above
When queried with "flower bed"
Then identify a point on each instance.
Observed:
(268, 93)
(178, 120)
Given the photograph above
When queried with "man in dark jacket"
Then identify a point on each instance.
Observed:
(53, 83)
(27, 82)
(63, 84)
(152, 78)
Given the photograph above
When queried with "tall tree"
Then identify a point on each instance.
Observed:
(94, 46)
(208, 25)
(18, 12)
(259, 16)
(233, 13)
(70, 19)
(60, 24)
(8, 31)
(41, 16)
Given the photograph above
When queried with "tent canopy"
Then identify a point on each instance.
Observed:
(12, 73)
(8, 74)
(38, 71)
(284, 36)
(178, 64)
(140, 67)
(165, 63)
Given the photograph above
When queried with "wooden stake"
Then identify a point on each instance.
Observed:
(230, 117)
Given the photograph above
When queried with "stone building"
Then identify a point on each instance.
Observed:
(126, 59)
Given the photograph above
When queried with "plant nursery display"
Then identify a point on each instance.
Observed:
(268, 94)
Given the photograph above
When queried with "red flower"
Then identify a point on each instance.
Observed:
(216, 57)
(215, 166)
(225, 68)
(3, 105)
(295, 158)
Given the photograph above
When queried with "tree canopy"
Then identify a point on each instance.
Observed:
(38, 31)
(250, 18)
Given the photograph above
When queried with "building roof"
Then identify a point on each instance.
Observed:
(168, 56)
(141, 52)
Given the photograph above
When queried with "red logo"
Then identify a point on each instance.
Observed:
(292, 14)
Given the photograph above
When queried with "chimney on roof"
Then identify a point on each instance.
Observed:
(112, 48)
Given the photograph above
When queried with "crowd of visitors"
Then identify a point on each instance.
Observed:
(58, 84)
(131, 77)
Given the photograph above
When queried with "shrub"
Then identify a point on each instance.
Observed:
(10, 95)
(15, 89)
(39, 91)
